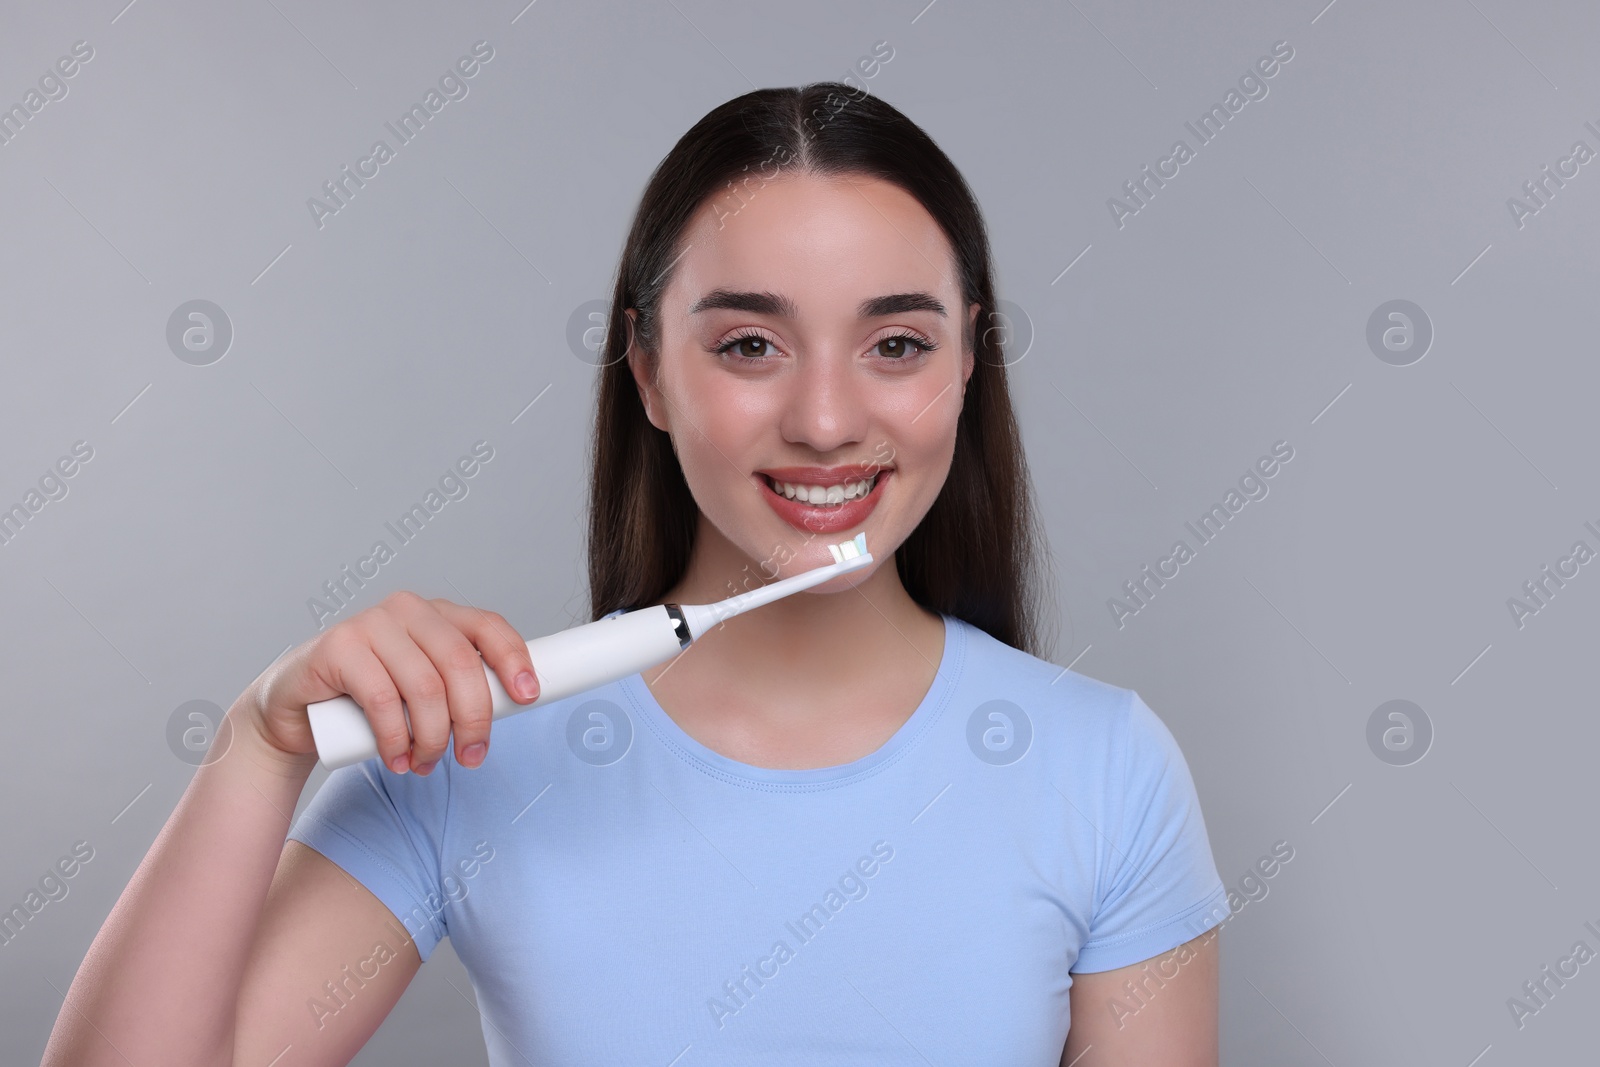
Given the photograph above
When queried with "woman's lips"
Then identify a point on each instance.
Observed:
(824, 518)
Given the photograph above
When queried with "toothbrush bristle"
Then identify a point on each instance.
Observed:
(856, 546)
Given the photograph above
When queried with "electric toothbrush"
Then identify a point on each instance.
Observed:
(586, 656)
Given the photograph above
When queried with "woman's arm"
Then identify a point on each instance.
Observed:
(1163, 1010)
(328, 964)
(227, 939)
(197, 927)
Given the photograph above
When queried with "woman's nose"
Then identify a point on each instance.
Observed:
(827, 406)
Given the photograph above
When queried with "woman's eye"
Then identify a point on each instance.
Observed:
(895, 348)
(901, 346)
(750, 346)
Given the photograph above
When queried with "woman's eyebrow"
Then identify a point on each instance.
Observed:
(764, 303)
(897, 303)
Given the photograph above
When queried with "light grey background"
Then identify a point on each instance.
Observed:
(1230, 313)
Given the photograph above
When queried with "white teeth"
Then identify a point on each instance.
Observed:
(826, 494)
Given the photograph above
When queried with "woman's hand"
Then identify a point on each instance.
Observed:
(425, 652)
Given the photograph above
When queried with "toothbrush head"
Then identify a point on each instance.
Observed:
(856, 546)
(848, 556)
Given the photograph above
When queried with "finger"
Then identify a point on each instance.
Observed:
(419, 681)
(504, 650)
(355, 668)
(471, 702)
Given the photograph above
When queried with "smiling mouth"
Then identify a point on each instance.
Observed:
(824, 496)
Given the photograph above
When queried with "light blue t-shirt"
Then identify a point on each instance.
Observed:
(620, 893)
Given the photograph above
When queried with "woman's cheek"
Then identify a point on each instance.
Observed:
(927, 454)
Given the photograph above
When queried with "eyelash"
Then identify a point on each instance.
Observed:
(925, 344)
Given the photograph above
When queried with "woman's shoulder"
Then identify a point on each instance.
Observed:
(1095, 739)
(1075, 719)
(1036, 682)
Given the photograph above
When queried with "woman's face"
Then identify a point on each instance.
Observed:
(812, 367)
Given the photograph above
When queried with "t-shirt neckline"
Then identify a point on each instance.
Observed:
(691, 751)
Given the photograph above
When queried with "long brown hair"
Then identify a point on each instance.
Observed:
(975, 554)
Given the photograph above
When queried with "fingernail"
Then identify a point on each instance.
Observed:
(426, 767)
(401, 762)
(527, 685)
(473, 754)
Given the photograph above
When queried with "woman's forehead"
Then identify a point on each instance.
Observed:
(821, 244)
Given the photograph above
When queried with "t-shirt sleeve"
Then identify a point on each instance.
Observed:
(1160, 886)
(384, 829)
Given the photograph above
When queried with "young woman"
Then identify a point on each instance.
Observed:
(863, 824)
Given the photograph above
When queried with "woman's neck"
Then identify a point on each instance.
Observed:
(806, 628)
(783, 666)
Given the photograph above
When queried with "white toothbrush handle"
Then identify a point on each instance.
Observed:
(566, 662)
